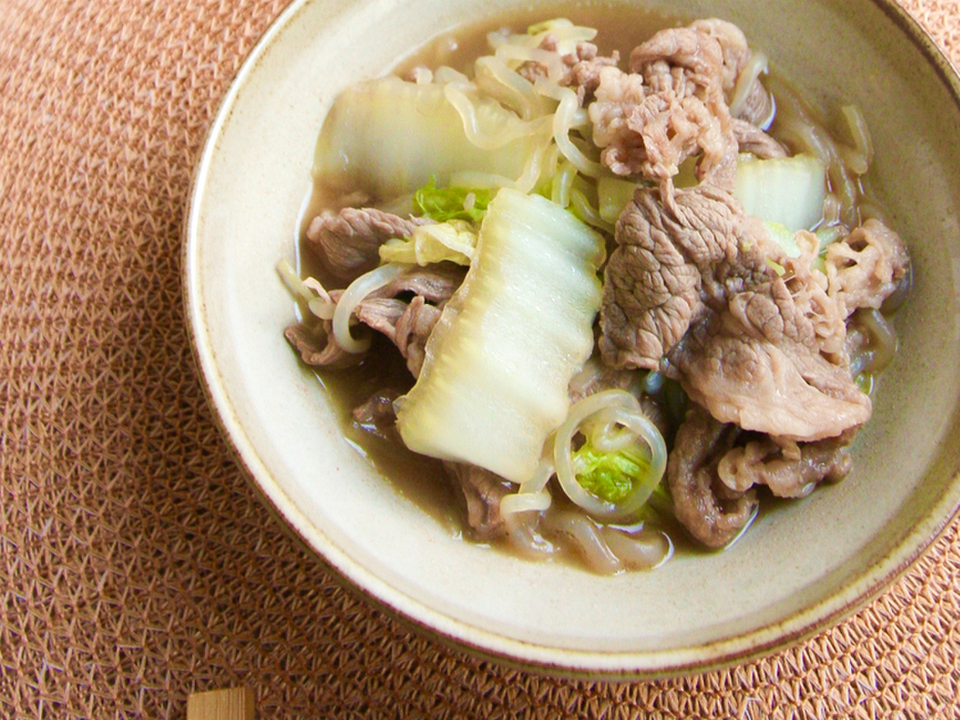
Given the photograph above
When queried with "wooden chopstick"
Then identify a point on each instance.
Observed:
(229, 704)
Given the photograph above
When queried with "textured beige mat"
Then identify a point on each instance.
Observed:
(135, 564)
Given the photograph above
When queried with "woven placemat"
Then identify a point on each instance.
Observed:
(136, 565)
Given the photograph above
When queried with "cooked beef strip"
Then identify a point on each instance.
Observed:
(758, 364)
(436, 282)
(711, 511)
(751, 139)
(408, 325)
(377, 415)
(482, 492)
(348, 242)
(736, 54)
(789, 469)
(669, 107)
(714, 468)
(314, 341)
(734, 51)
(689, 288)
(673, 105)
(583, 70)
(669, 264)
(866, 267)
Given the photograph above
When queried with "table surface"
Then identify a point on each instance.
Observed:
(136, 565)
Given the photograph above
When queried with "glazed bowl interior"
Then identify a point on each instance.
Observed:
(799, 568)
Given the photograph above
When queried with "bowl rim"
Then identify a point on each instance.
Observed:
(437, 625)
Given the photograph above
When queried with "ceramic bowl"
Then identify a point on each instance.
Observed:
(798, 571)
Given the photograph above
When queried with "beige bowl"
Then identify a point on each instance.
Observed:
(798, 571)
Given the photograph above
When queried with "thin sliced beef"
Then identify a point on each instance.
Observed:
(715, 467)
(756, 106)
(669, 265)
(711, 511)
(583, 70)
(482, 492)
(669, 107)
(690, 288)
(407, 323)
(808, 288)
(789, 469)
(314, 341)
(673, 104)
(436, 282)
(348, 242)
(377, 415)
(751, 139)
(866, 267)
(758, 364)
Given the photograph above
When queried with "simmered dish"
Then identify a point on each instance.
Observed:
(630, 297)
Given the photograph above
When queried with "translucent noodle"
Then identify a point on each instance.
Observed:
(293, 282)
(422, 75)
(831, 209)
(844, 164)
(564, 31)
(524, 537)
(525, 502)
(607, 437)
(562, 121)
(606, 550)
(860, 156)
(756, 65)
(551, 164)
(589, 214)
(562, 183)
(532, 494)
(872, 210)
(353, 296)
(641, 550)
(586, 538)
(580, 120)
(882, 346)
(501, 83)
(444, 74)
(471, 126)
(610, 406)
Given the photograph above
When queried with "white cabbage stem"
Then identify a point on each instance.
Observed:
(524, 184)
(353, 296)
